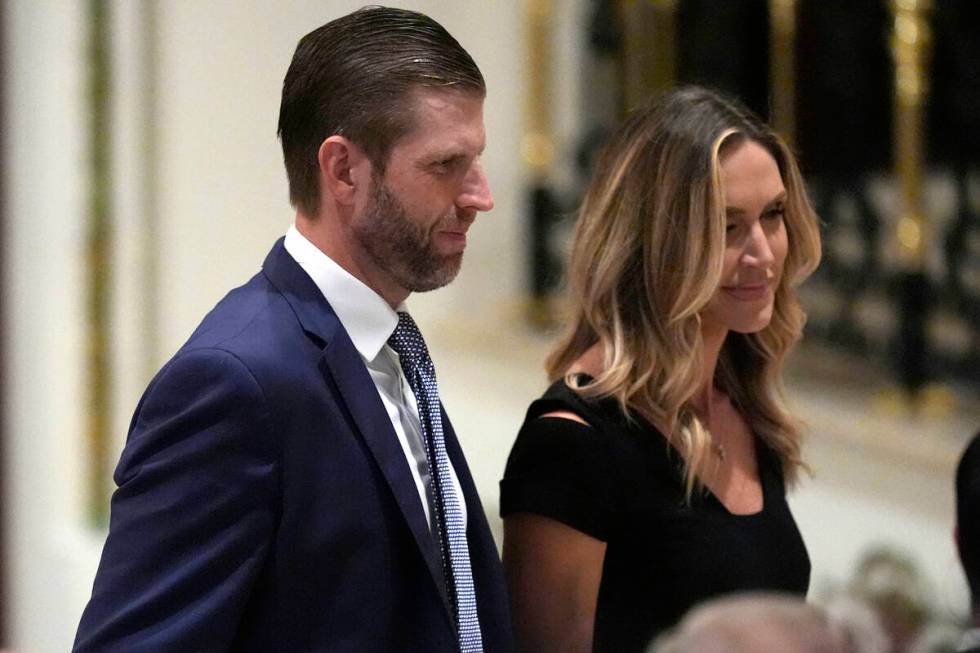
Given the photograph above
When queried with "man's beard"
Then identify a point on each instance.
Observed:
(400, 246)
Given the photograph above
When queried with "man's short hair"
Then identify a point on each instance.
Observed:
(968, 514)
(354, 76)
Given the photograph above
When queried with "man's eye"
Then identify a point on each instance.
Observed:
(447, 163)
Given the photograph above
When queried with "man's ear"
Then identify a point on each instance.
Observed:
(344, 167)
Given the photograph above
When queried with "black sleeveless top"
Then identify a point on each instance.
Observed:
(620, 482)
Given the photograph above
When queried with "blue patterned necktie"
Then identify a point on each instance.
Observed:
(421, 374)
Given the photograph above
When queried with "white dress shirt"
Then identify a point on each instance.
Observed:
(370, 321)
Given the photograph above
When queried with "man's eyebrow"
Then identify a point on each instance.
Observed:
(449, 153)
(439, 157)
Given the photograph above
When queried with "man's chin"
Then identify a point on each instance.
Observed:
(439, 278)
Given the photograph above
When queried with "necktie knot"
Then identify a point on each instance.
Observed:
(408, 343)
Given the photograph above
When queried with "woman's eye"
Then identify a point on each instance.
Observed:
(776, 213)
(730, 227)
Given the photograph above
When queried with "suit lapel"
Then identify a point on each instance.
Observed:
(343, 365)
(345, 372)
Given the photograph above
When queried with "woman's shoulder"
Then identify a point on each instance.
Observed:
(561, 464)
(562, 421)
(581, 472)
(587, 430)
(560, 414)
(562, 398)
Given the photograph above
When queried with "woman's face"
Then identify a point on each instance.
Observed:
(755, 240)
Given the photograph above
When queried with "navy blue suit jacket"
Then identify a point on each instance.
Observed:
(265, 504)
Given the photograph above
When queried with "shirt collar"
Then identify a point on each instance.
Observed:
(365, 315)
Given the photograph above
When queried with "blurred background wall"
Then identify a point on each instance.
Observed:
(129, 212)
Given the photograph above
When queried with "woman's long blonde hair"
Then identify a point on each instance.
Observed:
(646, 260)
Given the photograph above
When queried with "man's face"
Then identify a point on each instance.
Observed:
(412, 230)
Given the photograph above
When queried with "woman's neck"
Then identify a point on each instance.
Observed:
(591, 362)
(707, 395)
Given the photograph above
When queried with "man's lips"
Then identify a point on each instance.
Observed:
(748, 292)
(455, 237)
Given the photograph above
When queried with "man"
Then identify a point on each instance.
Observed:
(753, 623)
(290, 481)
(968, 535)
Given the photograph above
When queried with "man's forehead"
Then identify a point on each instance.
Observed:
(444, 117)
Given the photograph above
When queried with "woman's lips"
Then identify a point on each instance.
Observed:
(748, 292)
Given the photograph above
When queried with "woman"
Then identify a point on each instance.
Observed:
(652, 474)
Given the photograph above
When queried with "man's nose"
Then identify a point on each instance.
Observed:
(476, 190)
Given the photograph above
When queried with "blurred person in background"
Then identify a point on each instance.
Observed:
(858, 623)
(754, 623)
(652, 474)
(968, 536)
(290, 481)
